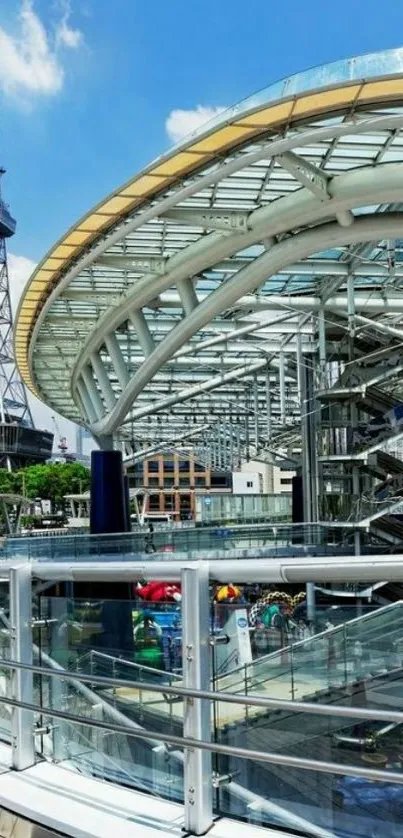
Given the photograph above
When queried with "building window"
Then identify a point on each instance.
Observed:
(153, 481)
(153, 465)
(184, 465)
(184, 481)
(199, 467)
(154, 503)
(169, 465)
(249, 484)
(185, 507)
(220, 481)
(168, 481)
(200, 482)
(169, 503)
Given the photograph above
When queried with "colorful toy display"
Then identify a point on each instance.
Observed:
(228, 593)
(159, 592)
(147, 637)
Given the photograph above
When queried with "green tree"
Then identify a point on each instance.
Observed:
(48, 482)
(7, 482)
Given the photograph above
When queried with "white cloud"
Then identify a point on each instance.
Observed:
(180, 123)
(30, 62)
(19, 270)
(65, 34)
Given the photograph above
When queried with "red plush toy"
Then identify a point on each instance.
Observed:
(159, 592)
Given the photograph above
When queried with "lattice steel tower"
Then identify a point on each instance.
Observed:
(14, 407)
(20, 442)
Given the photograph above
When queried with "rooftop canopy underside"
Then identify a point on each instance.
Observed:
(190, 296)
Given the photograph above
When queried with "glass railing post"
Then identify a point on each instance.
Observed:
(196, 715)
(292, 672)
(114, 677)
(345, 654)
(23, 748)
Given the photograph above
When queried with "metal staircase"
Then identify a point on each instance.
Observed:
(360, 420)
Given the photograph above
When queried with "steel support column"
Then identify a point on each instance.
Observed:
(238, 445)
(322, 347)
(309, 466)
(256, 410)
(268, 404)
(196, 713)
(23, 748)
(282, 388)
(247, 438)
(353, 405)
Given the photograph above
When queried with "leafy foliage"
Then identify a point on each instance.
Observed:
(48, 482)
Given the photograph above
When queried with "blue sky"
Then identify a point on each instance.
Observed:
(90, 89)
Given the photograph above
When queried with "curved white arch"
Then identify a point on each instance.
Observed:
(285, 252)
(355, 188)
(266, 150)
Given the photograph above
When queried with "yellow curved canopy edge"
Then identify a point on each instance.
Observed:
(182, 162)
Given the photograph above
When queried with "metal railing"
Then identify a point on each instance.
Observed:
(194, 692)
(293, 659)
(325, 539)
(389, 716)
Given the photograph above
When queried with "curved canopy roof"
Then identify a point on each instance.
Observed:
(190, 292)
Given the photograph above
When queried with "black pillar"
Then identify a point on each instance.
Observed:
(109, 514)
(108, 504)
(297, 500)
(297, 508)
(127, 502)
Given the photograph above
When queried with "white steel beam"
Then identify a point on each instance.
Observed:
(103, 380)
(93, 392)
(117, 359)
(142, 330)
(310, 176)
(204, 386)
(302, 244)
(210, 219)
(89, 412)
(140, 263)
(187, 295)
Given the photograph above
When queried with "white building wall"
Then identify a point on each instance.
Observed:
(249, 483)
(282, 480)
(266, 472)
(274, 480)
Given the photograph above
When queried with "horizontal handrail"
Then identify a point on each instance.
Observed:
(131, 664)
(314, 637)
(253, 567)
(273, 758)
(209, 695)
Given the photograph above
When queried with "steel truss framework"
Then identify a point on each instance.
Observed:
(13, 397)
(245, 293)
